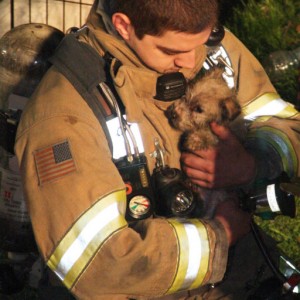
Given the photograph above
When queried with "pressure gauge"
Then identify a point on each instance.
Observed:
(139, 206)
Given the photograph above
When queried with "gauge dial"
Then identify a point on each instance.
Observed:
(139, 206)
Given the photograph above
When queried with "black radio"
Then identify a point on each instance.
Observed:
(170, 86)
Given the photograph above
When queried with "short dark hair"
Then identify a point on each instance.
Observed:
(154, 17)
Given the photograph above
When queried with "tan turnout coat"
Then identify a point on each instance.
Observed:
(77, 211)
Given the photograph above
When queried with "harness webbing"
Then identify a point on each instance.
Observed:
(85, 69)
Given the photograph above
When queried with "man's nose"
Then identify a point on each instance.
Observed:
(186, 60)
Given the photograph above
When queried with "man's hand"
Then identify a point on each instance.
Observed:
(228, 164)
(235, 221)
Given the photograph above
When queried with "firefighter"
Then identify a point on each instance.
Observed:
(75, 192)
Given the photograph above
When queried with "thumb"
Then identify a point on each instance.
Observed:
(220, 131)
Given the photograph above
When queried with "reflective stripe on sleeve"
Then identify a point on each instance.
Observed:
(86, 236)
(281, 143)
(193, 256)
(268, 105)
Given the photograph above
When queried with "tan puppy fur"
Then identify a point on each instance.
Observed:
(207, 99)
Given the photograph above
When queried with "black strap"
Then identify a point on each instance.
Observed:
(85, 69)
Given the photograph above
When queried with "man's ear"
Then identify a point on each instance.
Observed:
(122, 24)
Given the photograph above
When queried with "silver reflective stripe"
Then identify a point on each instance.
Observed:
(193, 255)
(272, 199)
(268, 105)
(84, 238)
(91, 230)
(272, 108)
(216, 56)
(115, 133)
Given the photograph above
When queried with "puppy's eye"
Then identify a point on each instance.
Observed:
(197, 109)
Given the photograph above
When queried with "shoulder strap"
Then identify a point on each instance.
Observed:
(85, 69)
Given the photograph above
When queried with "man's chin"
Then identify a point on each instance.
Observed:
(166, 71)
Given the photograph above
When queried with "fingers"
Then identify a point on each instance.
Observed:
(205, 183)
(211, 167)
(199, 168)
(222, 132)
(200, 159)
(196, 171)
(199, 177)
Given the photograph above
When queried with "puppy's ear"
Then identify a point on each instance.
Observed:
(230, 109)
(188, 92)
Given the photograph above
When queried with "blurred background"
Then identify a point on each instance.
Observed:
(61, 14)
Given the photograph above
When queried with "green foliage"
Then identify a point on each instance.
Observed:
(286, 231)
(266, 26)
(287, 86)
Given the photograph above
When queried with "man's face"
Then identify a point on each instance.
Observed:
(169, 52)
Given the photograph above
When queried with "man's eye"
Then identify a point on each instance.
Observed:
(168, 52)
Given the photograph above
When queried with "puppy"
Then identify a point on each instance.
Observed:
(207, 99)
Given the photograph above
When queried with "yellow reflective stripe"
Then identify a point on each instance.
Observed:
(269, 104)
(182, 256)
(86, 236)
(193, 256)
(280, 141)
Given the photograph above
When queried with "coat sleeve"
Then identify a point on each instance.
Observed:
(273, 123)
(76, 199)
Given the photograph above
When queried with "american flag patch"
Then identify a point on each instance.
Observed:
(54, 162)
